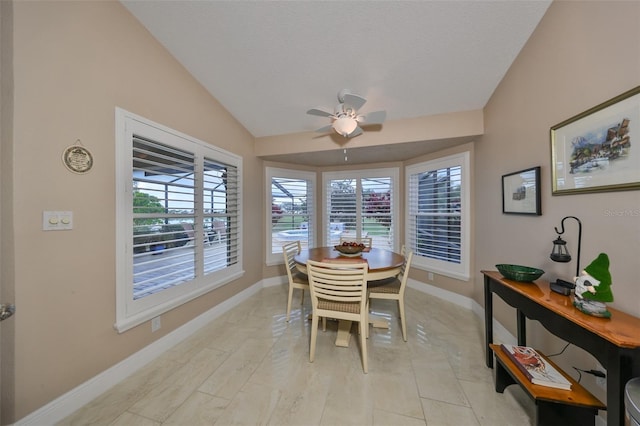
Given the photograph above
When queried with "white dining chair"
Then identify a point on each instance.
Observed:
(393, 289)
(367, 241)
(297, 280)
(339, 290)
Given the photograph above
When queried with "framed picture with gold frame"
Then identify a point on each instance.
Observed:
(594, 151)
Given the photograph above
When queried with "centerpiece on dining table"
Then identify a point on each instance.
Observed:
(350, 248)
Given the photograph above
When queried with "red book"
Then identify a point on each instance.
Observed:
(535, 367)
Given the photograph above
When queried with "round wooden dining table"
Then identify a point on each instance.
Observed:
(382, 263)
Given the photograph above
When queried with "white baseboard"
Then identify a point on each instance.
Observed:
(440, 293)
(76, 398)
(274, 281)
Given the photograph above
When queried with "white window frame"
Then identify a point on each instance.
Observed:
(130, 312)
(454, 270)
(274, 257)
(390, 172)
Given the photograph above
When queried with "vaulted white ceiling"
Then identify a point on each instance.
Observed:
(268, 62)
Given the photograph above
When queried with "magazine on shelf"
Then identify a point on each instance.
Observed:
(535, 367)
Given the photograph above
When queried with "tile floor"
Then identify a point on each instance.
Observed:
(251, 367)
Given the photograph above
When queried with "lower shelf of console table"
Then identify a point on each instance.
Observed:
(575, 407)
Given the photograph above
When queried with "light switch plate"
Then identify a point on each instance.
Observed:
(57, 220)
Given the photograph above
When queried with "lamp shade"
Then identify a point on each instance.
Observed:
(345, 125)
(560, 253)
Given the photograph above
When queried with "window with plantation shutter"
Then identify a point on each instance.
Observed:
(178, 215)
(359, 204)
(163, 200)
(437, 224)
(291, 216)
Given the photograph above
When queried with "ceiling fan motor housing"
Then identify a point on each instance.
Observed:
(343, 110)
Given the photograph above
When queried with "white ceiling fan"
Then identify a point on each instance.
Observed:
(345, 119)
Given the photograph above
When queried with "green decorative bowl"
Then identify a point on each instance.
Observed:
(523, 274)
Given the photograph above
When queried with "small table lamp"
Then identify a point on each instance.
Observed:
(561, 254)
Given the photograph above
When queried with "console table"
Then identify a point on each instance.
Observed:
(614, 342)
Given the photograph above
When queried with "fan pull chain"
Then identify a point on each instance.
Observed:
(345, 155)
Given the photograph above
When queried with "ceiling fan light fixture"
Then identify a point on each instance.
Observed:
(344, 125)
(345, 119)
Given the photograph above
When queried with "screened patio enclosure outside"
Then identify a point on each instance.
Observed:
(184, 217)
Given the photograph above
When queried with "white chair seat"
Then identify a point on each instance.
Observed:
(352, 307)
(391, 287)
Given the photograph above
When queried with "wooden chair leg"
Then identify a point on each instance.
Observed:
(403, 320)
(366, 322)
(364, 327)
(289, 300)
(314, 336)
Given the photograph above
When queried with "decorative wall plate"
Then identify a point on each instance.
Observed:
(77, 159)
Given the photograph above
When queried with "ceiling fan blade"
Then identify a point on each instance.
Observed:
(354, 101)
(356, 132)
(321, 113)
(325, 129)
(376, 117)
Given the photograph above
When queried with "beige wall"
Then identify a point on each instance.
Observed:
(6, 217)
(74, 63)
(581, 54)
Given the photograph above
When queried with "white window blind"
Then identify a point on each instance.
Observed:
(291, 216)
(437, 228)
(361, 204)
(343, 209)
(163, 199)
(178, 215)
(221, 215)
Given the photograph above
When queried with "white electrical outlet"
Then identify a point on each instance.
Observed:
(430, 276)
(155, 324)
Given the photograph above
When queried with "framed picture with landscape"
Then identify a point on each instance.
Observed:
(521, 192)
(594, 152)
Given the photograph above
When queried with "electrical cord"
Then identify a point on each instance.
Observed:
(559, 353)
(596, 373)
(579, 374)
